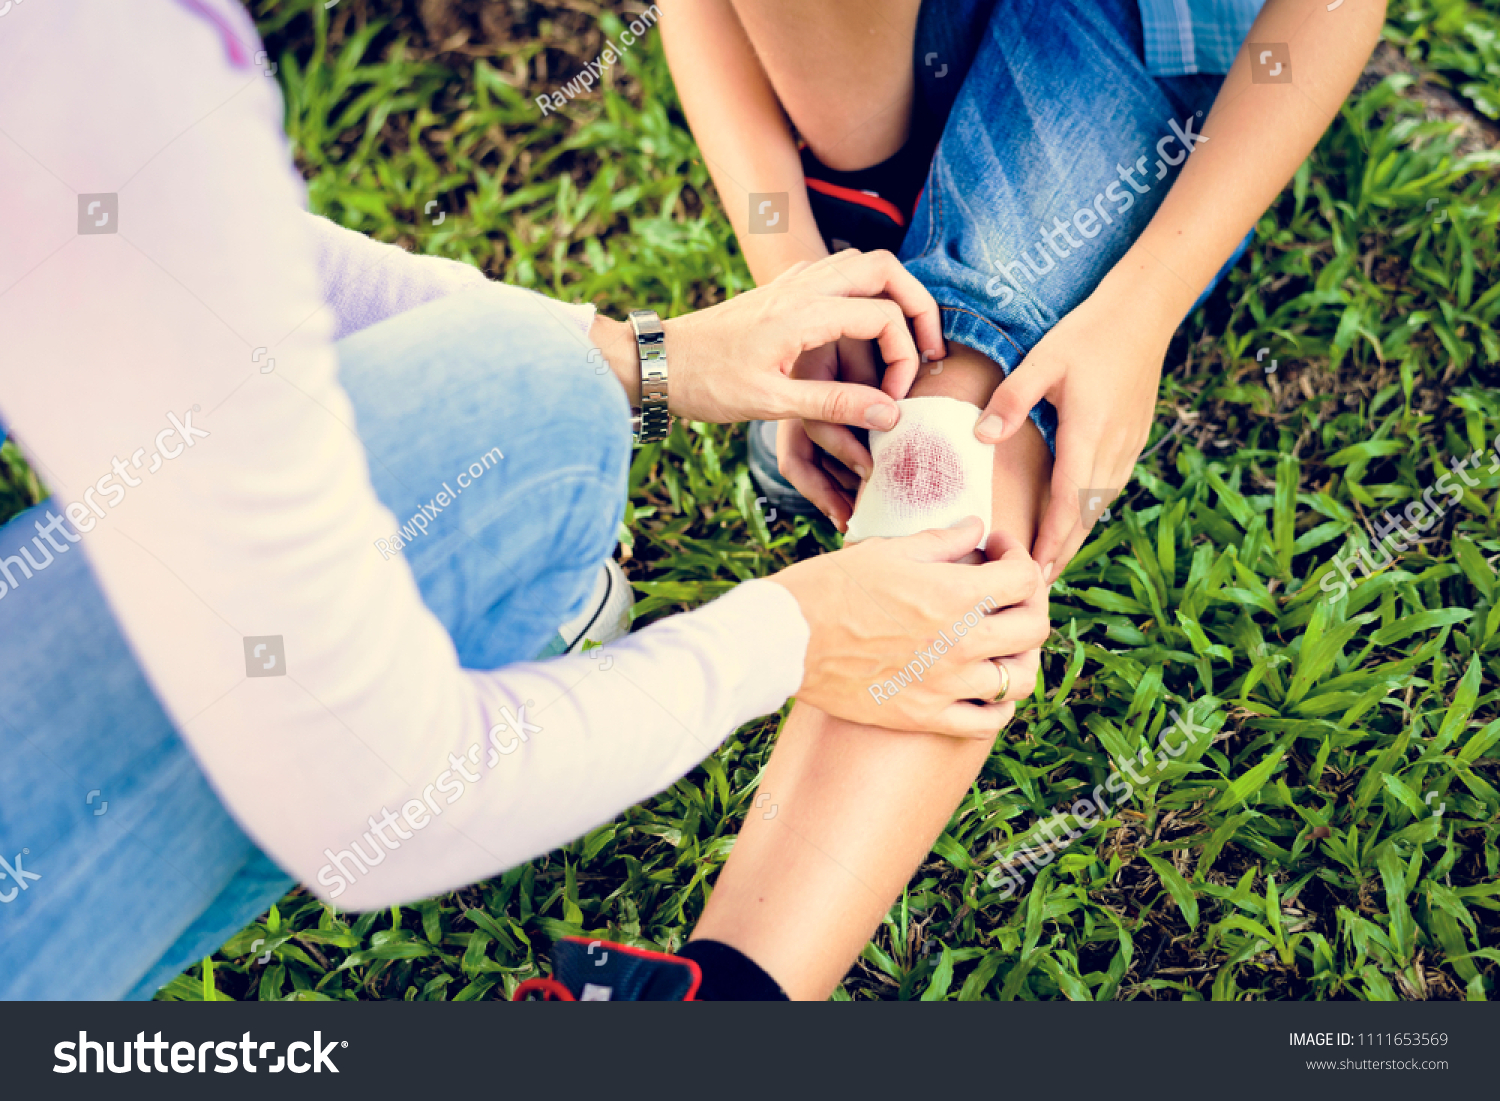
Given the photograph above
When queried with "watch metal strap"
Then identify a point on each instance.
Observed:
(653, 421)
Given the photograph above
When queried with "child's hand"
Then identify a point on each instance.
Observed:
(1100, 366)
(826, 462)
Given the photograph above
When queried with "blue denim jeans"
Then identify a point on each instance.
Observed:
(1037, 187)
(140, 869)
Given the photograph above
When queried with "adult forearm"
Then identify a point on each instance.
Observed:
(741, 131)
(616, 340)
(1254, 139)
(366, 281)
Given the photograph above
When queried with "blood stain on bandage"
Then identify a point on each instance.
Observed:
(923, 471)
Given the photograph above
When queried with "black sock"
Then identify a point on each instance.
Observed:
(729, 975)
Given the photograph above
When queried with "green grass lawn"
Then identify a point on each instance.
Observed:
(1335, 837)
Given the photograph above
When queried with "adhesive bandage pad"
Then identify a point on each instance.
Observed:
(930, 472)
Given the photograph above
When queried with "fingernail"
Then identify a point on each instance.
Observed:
(1049, 573)
(881, 417)
(990, 429)
(864, 474)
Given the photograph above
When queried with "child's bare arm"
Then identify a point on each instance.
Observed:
(1101, 365)
(741, 130)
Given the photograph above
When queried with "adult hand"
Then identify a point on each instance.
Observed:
(909, 614)
(733, 362)
(1100, 366)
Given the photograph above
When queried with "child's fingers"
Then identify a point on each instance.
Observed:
(797, 458)
(842, 444)
(857, 363)
(1063, 527)
(847, 480)
(1013, 399)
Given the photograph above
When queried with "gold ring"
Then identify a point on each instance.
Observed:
(1004, 679)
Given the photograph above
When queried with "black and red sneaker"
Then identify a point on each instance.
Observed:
(870, 208)
(851, 213)
(852, 217)
(591, 970)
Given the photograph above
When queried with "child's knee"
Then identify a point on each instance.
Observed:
(930, 472)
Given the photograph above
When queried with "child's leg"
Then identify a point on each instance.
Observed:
(858, 807)
(842, 70)
(1057, 148)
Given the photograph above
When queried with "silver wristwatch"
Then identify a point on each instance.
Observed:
(651, 421)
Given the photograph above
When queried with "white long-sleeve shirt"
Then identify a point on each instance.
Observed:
(150, 340)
